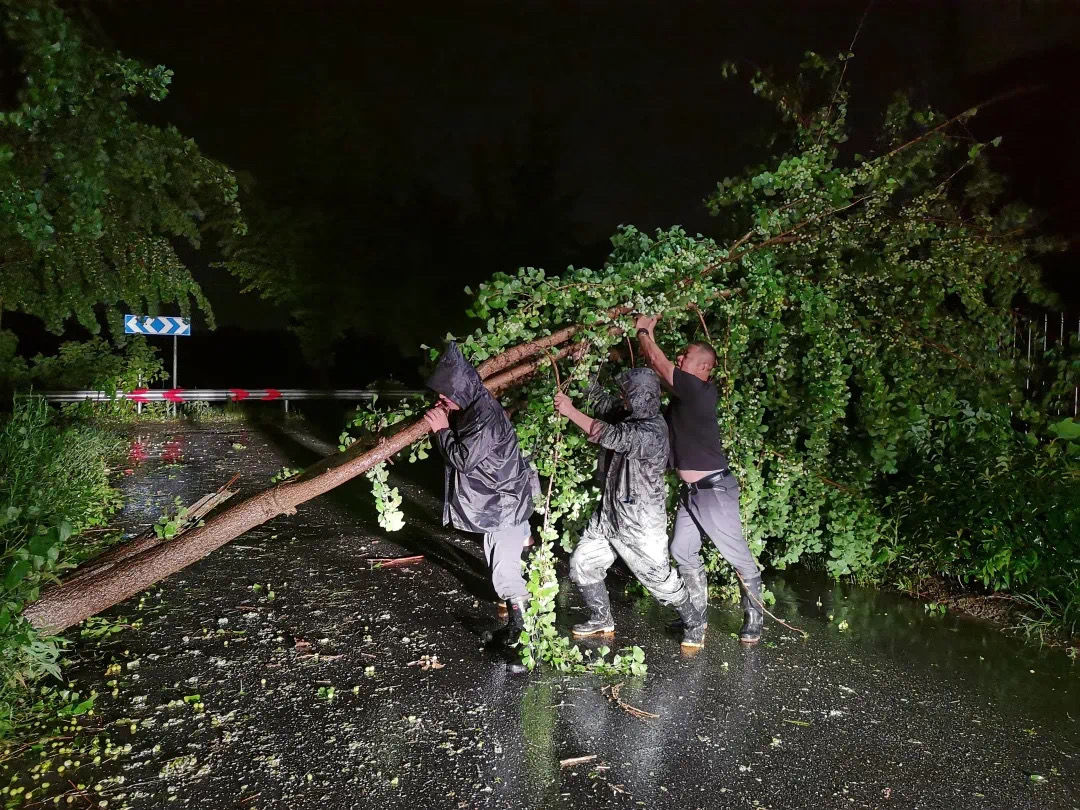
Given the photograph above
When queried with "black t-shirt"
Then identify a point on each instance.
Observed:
(691, 417)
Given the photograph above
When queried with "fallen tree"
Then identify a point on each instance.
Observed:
(849, 304)
(121, 573)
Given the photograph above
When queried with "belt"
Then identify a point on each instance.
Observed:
(710, 481)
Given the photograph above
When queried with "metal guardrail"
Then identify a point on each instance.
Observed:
(181, 395)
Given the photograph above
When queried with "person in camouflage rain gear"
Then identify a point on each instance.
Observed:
(631, 519)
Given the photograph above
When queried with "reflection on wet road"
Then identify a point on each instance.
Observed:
(901, 709)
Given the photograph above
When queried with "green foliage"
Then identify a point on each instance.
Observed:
(53, 485)
(983, 502)
(541, 641)
(284, 259)
(94, 364)
(93, 201)
(284, 474)
(97, 365)
(387, 499)
(843, 294)
(170, 524)
(368, 420)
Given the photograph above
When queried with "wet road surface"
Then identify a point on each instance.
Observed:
(284, 671)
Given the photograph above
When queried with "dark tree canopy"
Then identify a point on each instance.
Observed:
(93, 202)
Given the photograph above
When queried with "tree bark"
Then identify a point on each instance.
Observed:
(149, 539)
(68, 603)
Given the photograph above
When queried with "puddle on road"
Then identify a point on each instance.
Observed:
(144, 448)
(173, 451)
(1039, 681)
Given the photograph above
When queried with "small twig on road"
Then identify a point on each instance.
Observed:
(386, 562)
(765, 610)
(633, 711)
(616, 788)
(566, 763)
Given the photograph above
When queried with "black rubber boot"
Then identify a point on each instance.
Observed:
(751, 604)
(516, 610)
(600, 620)
(693, 621)
(507, 635)
(697, 584)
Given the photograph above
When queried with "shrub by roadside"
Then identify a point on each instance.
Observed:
(94, 364)
(994, 507)
(54, 485)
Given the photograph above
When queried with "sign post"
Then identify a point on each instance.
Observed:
(161, 325)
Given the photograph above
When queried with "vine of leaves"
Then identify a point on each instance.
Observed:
(842, 293)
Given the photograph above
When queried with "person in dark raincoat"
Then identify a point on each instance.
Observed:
(489, 487)
(631, 518)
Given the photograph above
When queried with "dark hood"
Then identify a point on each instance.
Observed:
(641, 387)
(455, 377)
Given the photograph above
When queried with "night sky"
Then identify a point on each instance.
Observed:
(442, 144)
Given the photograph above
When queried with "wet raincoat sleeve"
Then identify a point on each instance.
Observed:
(464, 449)
(601, 403)
(633, 439)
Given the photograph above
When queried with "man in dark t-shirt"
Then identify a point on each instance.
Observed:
(709, 496)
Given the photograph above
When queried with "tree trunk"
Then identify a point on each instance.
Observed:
(68, 603)
(149, 539)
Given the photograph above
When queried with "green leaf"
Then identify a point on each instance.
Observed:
(41, 543)
(74, 710)
(16, 572)
(1067, 429)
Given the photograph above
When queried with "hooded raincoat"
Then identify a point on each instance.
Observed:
(631, 518)
(488, 484)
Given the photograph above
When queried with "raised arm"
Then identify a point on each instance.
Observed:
(654, 356)
(565, 407)
(464, 449)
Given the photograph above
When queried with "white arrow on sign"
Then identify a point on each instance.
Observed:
(165, 325)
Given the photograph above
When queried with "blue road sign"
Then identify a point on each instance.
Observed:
(161, 325)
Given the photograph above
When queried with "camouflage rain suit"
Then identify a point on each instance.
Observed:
(631, 519)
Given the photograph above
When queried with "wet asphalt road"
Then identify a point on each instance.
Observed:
(901, 709)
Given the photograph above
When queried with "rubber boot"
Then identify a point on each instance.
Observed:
(697, 584)
(507, 635)
(693, 620)
(600, 621)
(516, 610)
(754, 618)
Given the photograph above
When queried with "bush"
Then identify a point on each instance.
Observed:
(97, 365)
(988, 504)
(54, 485)
(93, 364)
